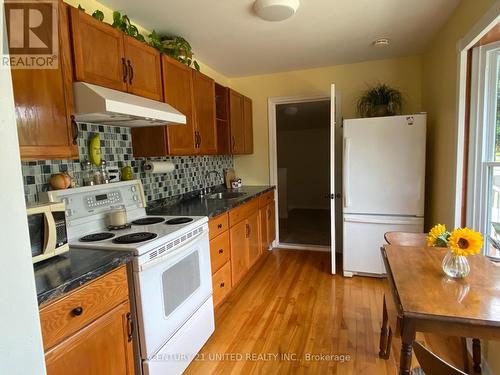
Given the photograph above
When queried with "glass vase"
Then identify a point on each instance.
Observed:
(456, 266)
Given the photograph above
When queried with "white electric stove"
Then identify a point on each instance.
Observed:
(171, 284)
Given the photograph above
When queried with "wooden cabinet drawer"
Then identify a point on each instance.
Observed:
(266, 198)
(217, 225)
(221, 283)
(219, 251)
(242, 212)
(69, 314)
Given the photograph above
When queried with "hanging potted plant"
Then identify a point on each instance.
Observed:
(380, 100)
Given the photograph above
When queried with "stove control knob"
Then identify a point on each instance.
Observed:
(133, 188)
(68, 213)
(135, 197)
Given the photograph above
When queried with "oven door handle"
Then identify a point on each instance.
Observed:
(173, 253)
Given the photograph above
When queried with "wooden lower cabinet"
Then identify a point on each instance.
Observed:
(239, 251)
(237, 240)
(221, 283)
(264, 244)
(89, 330)
(254, 243)
(101, 348)
(271, 223)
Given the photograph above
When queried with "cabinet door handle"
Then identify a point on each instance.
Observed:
(74, 128)
(196, 145)
(219, 226)
(222, 285)
(130, 327)
(130, 72)
(199, 139)
(77, 311)
(125, 70)
(268, 213)
(233, 142)
(247, 231)
(221, 251)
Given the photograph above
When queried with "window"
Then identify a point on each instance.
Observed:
(484, 151)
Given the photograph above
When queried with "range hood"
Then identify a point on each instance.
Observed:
(96, 104)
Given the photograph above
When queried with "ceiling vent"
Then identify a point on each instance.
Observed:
(275, 10)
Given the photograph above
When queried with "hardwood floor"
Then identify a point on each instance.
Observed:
(290, 312)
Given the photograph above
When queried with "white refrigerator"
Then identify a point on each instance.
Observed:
(383, 178)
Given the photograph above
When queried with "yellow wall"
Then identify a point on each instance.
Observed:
(350, 80)
(439, 99)
(91, 5)
(439, 96)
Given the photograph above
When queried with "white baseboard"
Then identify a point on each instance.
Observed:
(290, 246)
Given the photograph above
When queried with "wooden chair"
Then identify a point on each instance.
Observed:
(417, 239)
(406, 238)
(431, 364)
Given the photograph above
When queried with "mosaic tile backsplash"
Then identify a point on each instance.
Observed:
(116, 149)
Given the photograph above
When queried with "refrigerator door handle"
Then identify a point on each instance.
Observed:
(347, 151)
(379, 221)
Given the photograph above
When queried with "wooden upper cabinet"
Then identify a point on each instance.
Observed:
(44, 104)
(204, 113)
(143, 69)
(178, 92)
(248, 125)
(222, 119)
(98, 52)
(237, 140)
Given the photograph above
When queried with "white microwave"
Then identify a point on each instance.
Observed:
(47, 229)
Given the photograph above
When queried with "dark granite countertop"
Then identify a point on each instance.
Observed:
(196, 206)
(61, 274)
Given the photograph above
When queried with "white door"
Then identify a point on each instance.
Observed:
(384, 165)
(335, 168)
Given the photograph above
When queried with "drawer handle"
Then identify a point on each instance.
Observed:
(219, 226)
(77, 311)
(221, 251)
(222, 285)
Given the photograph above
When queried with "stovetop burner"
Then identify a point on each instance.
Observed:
(179, 220)
(135, 237)
(148, 220)
(97, 237)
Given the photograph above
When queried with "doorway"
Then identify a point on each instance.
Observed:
(303, 147)
(305, 143)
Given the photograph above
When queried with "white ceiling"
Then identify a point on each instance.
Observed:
(226, 35)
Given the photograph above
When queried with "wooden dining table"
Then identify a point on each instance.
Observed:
(423, 299)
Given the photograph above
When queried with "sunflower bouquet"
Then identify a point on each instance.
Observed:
(461, 241)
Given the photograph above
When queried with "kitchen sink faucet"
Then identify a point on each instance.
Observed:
(206, 189)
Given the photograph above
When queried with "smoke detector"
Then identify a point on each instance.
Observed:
(381, 42)
(275, 10)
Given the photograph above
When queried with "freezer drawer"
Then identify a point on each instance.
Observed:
(363, 237)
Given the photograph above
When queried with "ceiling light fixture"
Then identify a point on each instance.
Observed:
(381, 42)
(275, 10)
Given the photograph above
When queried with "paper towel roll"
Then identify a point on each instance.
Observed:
(159, 166)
